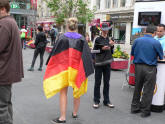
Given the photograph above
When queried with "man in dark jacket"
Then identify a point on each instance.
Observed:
(102, 66)
(40, 44)
(146, 51)
(11, 65)
(53, 34)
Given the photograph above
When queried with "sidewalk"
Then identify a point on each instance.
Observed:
(32, 107)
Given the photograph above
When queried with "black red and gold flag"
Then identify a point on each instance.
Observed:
(70, 64)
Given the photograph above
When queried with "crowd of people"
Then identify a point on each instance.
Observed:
(70, 63)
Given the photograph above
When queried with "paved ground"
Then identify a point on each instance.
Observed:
(31, 106)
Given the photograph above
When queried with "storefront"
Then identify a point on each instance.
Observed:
(122, 27)
(47, 25)
(24, 12)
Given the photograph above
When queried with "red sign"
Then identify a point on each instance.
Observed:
(34, 4)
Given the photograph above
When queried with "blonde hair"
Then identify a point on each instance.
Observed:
(87, 34)
(72, 23)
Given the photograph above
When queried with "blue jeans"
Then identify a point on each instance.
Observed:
(99, 71)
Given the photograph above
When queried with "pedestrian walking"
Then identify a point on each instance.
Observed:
(11, 64)
(23, 37)
(40, 45)
(70, 64)
(53, 34)
(103, 66)
(145, 50)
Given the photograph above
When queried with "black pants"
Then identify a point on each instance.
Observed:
(36, 52)
(6, 110)
(99, 71)
(53, 40)
(145, 78)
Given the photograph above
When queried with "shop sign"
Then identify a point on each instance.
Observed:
(121, 17)
(14, 5)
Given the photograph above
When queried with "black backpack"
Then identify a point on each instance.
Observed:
(52, 33)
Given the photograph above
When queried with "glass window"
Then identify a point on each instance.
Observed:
(122, 3)
(107, 3)
(115, 3)
(119, 32)
(20, 19)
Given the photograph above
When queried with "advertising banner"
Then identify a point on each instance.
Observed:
(147, 13)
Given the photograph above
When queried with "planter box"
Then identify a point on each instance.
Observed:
(119, 64)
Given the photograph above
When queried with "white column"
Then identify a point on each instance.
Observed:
(128, 36)
(119, 3)
(128, 3)
(102, 4)
(93, 3)
(111, 4)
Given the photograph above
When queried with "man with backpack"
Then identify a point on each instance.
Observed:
(40, 45)
(53, 34)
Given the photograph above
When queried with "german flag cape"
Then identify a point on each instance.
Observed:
(69, 64)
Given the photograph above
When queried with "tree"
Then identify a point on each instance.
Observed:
(63, 9)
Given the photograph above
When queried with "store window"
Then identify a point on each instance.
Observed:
(98, 4)
(119, 32)
(115, 3)
(21, 20)
(108, 4)
(122, 3)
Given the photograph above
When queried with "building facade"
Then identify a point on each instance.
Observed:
(24, 12)
(119, 13)
(45, 17)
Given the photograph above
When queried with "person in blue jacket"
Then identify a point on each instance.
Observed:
(146, 51)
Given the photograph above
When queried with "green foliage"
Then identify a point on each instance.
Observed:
(120, 54)
(63, 9)
(84, 14)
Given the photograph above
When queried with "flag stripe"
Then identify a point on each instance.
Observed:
(54, 84)
(69, 64)
(61, 62)
(67, 43)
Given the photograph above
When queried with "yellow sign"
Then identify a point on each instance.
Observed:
(107, 17)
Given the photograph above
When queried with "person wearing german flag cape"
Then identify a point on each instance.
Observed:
(69, 64)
